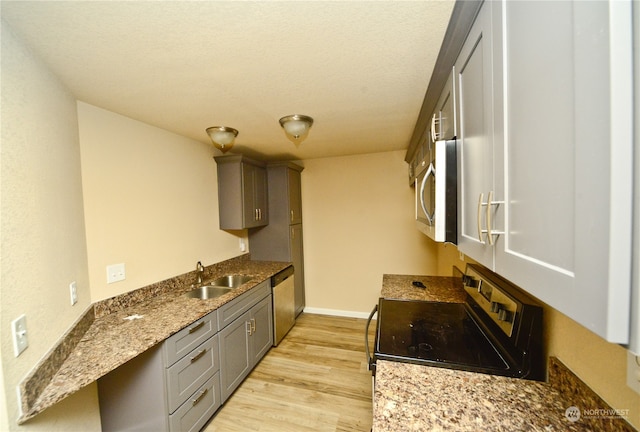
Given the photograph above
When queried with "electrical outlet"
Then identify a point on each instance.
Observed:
(19, 334)
(243, 244)
(73, 292)
(633, 371)
(115, 273)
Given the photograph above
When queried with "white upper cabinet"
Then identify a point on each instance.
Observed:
(443, 120)
(546, 168)
(473, 88)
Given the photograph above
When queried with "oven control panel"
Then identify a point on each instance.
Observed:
(496, 303)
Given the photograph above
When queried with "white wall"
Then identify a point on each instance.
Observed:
(151, 202)
(42, 233)
(358, 224)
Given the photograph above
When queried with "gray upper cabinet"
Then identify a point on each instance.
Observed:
(281, 240)
(295, 195)
(545, 165)
(242, 192)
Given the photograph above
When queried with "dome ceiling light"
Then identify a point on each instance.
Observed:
(222, 137)
(296, 126)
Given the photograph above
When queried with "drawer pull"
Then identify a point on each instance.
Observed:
(199, 398)
(196, 357)
(196, 327)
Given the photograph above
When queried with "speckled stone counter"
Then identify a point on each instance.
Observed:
(438, 288)
(410, 397)
(102, 339)
(421, 398)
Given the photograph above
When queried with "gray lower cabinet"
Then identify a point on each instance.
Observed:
(179, 384)
(174, 386)
(245, 339)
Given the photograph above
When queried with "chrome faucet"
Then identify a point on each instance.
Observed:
(199, 272)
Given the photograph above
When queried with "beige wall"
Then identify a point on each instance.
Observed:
(43, 237)
(600, 364)
(151, 202)
(358, 225)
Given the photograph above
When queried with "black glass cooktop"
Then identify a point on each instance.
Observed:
(435, 333)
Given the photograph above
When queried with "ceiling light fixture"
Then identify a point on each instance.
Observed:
(296, 126)
(222, 137)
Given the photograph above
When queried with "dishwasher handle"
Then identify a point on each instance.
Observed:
(282, 276)
(370, 361)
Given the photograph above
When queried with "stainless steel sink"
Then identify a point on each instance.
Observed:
(208, 292)
(231, 281)
(218, 287)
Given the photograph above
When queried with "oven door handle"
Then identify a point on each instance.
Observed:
(370, 361)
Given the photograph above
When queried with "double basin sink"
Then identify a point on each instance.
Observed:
(218, 287)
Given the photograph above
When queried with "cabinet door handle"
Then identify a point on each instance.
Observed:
(247, 325)
(197, 357)
(489, 231)
(196, 327)
(488, 218)
(480, 230)
(434, 134)
(199, 398)
(291, 215)
(253, 325)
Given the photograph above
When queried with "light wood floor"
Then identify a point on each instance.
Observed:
(316, 380)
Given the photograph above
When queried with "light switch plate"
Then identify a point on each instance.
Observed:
(73, 292)
(19, 334)
(115, 273)
(633, 371)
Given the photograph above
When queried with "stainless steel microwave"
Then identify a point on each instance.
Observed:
(436, 193)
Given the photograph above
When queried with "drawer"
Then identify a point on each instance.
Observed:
(191, 372)
(236, 307)
(181, 343)
(194, 413)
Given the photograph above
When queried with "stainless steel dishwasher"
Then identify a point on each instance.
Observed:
(284, 304)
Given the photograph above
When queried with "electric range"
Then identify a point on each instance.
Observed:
(498, 330)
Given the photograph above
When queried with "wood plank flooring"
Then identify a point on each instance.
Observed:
(316, 380)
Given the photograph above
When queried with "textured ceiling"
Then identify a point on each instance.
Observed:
(360, 69)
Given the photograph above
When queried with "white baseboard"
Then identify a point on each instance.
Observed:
(335, 312)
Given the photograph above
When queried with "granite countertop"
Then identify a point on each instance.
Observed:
(103, 338)
(412, 397)
(438, 288)
(409, 397)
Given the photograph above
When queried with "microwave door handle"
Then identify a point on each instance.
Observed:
(430, 172)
